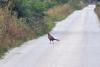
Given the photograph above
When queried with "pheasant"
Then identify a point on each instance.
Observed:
(51, 38)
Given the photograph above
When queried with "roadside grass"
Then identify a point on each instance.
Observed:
(97, 10)
(12, 32)
(60, 12)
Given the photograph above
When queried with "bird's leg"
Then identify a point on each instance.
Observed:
(50, 42)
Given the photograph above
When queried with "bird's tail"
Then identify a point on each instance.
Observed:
(57, 39)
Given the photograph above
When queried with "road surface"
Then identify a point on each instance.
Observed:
(79, 45)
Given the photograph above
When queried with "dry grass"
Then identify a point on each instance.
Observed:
(12, 31)
(60, 10)
(97, 10)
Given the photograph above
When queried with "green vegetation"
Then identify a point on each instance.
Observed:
(23, 20)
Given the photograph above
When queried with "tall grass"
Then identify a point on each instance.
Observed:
(97, 10)
(12, 31)
(60, 12)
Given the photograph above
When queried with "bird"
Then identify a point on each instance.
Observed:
(51, 38)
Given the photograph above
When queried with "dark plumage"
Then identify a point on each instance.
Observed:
(51, 38)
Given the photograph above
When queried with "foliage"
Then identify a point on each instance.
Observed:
(62, 1)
